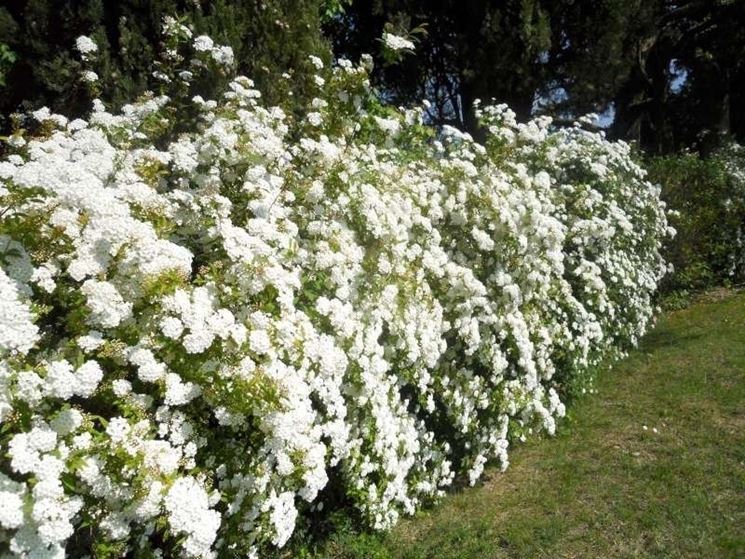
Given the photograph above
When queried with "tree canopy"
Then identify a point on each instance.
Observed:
(668, 73)
(269, 38)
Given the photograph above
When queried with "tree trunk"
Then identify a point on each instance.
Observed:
(721, 125)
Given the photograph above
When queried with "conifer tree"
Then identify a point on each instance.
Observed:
(269, 38)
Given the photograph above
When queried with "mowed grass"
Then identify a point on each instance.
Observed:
(604, 486)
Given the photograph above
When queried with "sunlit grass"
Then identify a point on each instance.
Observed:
(606, 486)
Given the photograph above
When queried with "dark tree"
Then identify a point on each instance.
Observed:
(471, 50)
(669, 72)
(667, 68)
(269, 38)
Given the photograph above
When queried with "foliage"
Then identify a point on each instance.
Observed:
(671, 73)
(271, 40)
(7, 58)
(707, 196)
(218, 316)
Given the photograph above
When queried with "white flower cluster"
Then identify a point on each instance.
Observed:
(205, 338)
(221, 54)
(396, 42)
(86, 46)
(89, 76)
(18, 333)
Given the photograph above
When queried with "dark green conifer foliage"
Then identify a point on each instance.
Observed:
(269, 38)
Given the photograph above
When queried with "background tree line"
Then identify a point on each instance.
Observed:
(41, 66)
(667, 74)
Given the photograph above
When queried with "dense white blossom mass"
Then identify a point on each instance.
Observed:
(396, 42)
(207, 335)
(86, 46)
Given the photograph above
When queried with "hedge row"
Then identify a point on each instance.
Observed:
(216, 318)
(708, 199)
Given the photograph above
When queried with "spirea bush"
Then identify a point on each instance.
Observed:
(210, 308)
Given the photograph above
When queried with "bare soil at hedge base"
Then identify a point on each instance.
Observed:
(652, 466)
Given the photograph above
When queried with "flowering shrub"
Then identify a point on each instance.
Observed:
(707, 196)
(209, 307)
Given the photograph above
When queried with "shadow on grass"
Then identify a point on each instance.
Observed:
(666, 337)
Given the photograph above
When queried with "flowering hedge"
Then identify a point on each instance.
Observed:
(208, 308)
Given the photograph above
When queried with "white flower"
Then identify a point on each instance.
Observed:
(121, 387)
(107, 306)
(67, 421)
(11, 502)
(60, 380)
(223, 55)
(87, 378)
(171, 327)
(179, 393)
(396, 43)
(148, 368)
(16, 141)
(283, 515)
(189, 514)
(18, 333)
(259, 341)
(118, 429)
(203, 43)
(91, 341)
(85, 45)
(44, 277)
(89, 76)
(390, 126)
(315, 119)
(161, 456)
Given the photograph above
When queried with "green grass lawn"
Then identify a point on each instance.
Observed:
(605, 486)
